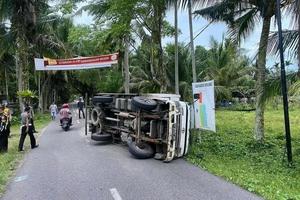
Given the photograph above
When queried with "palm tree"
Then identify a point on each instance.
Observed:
(22, 15)
(242, 16)
(230, 70)
(120, 16)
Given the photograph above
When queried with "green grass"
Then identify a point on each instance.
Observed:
(232, 153)
(10, 160)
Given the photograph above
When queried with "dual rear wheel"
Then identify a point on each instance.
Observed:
(140, 150)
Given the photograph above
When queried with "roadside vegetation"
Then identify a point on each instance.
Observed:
(10, 160)
(233, 154)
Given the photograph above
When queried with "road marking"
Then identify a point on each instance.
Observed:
(115, 194)
(21, 178)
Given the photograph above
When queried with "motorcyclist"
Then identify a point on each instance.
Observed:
(65, 113)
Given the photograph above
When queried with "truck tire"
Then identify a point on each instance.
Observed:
(141, 153)
(102, 99)
(95, 116)
(101, 137)
(143, 103)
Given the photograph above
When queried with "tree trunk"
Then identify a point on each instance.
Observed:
(23, 24)
(298, 10)
(159, 67)
(260, 80)
(6, 84)
(19, 75)
(44, 94)
(126, 65)
(192, 42)
(176, 49)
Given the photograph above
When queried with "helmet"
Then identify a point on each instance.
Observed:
(65, 105)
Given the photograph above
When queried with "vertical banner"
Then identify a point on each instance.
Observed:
(204, 105)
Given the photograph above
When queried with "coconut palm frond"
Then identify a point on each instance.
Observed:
(196, 4)
(273, 86)
(185, 91)
(244, 25)
(96, 9)
(294, 89)
(222, 92)
(290, 42)
(138, 72)
(222, 11)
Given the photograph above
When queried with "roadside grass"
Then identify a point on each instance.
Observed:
(9, 161)
(233, 154)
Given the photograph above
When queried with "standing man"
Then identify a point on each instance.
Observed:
(26, 128)
(53, 110)
(80, 106)
(31, 116)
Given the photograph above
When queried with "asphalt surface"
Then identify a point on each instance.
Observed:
(68, 165)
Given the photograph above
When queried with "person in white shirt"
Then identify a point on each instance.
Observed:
(53, 110)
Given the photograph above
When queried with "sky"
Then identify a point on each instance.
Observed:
(216, 30)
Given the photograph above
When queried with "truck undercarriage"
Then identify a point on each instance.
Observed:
(153, 125)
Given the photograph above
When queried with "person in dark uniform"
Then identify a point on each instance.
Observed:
(3, 130)
(80, 106)
(7, 113)
(26, 128)
(31, 116)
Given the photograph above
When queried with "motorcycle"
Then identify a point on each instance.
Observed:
(65, 124)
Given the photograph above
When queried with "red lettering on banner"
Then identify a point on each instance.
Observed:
(86, 60)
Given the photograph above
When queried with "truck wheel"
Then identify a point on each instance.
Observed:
(142, 151)
(95, 116)
(101, 137)
(102, 99)
(144, 103)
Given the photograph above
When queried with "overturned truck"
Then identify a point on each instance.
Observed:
(153, 125)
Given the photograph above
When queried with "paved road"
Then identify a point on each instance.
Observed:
(67, 165)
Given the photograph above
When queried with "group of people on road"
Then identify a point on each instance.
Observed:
(65, 110)
(27, 127)
(27, 122)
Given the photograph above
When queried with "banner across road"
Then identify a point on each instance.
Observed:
(44, 64)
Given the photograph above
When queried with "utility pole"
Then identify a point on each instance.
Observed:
(192, 41)
(176, 49)
(284, 87)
